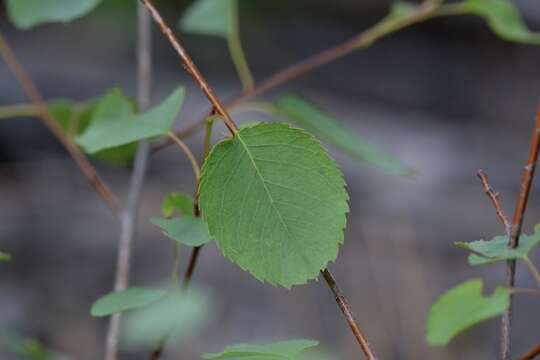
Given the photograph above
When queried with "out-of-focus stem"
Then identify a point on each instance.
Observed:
(129, 217)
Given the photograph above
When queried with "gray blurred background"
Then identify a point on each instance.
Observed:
(447, 96)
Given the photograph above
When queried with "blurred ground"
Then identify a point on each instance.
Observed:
(447, 96)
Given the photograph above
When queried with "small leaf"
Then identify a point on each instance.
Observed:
(109, 130)
(275, 202)
(4, 257)
(496, 249)
(28, 13)
(283, 350)
(208, 17)
(462, 307)
(64, 112)
(306, 115)
(112, 104)
(179, 201)
(190, 231)
(129, 299)
(504, 19)
(75, 118)
(176, 317)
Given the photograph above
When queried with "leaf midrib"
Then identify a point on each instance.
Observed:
(267, 191)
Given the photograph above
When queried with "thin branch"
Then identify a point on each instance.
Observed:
(217, 107)
(362, 40)
(208, 137)
(235, 48)
(534, 352)
(196, 209)
(129, 217)
(191, 68)
(20, 110)
(517, 223)
(176, 264)
(345, 309)
(182, 145)
(37, 99)
(155, 355)
(494, 197)
(515, 290)
(191, 266)
(495, 200)
(532, 269)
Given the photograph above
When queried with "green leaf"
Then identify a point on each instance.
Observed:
(208, 17)
(176, 317)
(26, 348)
(496, 249)
(401, 9)
(179, 201)
(120, 155)
(249, 124)
(129, 299)
(4, 257)
(113, 104)
(190, 231)
(314, 355)
(283, 350)
(219, 18)
(462, 307)
(503, 19)
(27, 13)
(109, 129)
(67, 114)
(75, 118)
(275, 202)
(308, 116)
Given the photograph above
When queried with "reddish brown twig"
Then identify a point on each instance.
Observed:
(191, 68)
(345, 309)
(363, 39)
(495, 200)
(156, 354)
(31, 90)
(515, 230)
(534, 352)
(191, 266)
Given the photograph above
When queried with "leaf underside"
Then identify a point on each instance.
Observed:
(188, 230)
(283, 350)
(129, 299)
(275, 202)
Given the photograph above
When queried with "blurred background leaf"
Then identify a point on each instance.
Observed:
(462, 307)
(177, 317)
(28, 13)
